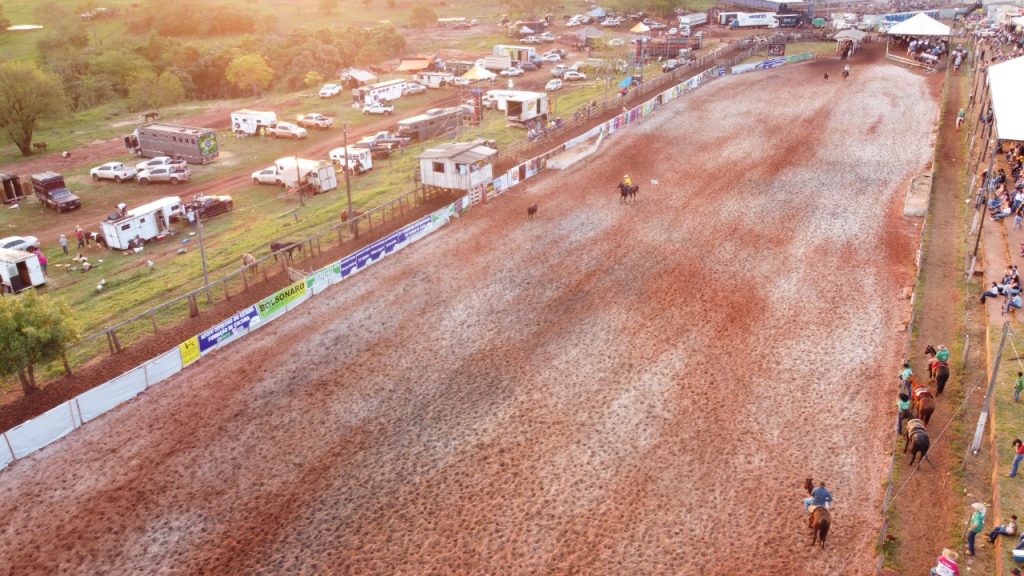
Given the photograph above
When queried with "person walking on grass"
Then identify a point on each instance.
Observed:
(975, 525)
(1018, 449)
(80, 236)
(960, 116)
(63, 244)
(1018, 386)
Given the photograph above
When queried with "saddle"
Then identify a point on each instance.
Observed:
(922, 391)
(914, 426)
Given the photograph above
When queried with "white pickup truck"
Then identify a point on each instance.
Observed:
(378, 109)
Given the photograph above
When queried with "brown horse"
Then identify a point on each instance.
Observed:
(277, 248)
(923, 406)
(820, 522)
(918, 435)
(938, 371)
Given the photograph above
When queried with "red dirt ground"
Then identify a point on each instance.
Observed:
(605, 389)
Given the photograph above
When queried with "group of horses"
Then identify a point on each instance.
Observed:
(916, 434)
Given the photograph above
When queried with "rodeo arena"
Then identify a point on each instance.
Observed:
(762, 317)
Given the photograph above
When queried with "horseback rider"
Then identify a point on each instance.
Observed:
(627, 181)
(820, 496)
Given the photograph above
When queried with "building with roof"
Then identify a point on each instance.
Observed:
(457, 166)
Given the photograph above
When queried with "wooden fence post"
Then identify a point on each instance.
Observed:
(113, 336)
(227, 296)
(245, 278)
(67, 367)
(152, 317)
(110, 343)
(193, 308)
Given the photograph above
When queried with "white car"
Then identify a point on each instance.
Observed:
(573, 75)
(158, 161)
(546, 36)
(551, 57)
(513, 71)
(115, 171)
(378, 109)
(531, 40)
(267, 176)
(673, 31)
(459, 82)
(554, 84)
(19, 242)
(413, 88)
(616, 42)
(287, 130)
(330, 90)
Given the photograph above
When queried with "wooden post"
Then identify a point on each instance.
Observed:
(193, 308)
(341, 236)
(152, 318)
(284, 263)
(227, 296)
(67, 367)
(110, 343)
(263, 270)
(245, 278)
(113, 336)
(319, 250)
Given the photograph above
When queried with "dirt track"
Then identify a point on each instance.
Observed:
(605, 389)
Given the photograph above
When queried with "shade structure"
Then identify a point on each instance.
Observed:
(920, 25)
(413, 65)
(1006, 82)
(479, 73)
(640, 28)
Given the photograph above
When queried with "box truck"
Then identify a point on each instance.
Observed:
(756, 20)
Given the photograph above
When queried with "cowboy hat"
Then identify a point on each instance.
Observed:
(979, 507)
(949, 554)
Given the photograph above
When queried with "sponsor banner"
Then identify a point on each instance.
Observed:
(416, 230)
(189, 351)
(762, 65)
(800, 57)
(532, 167)
(501, 183)
(513, 177)
(227, 331)
(318, 281)
(279, 301)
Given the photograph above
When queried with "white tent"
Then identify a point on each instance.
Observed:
(920, 25)
(1006, 81)
(479, 73)
(1019, 20)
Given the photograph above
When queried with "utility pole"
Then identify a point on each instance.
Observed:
(202, 254)
(986, 405)
(348, 186)
(298, 182)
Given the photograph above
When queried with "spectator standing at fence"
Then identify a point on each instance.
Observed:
(975, 525)
(63, 241)
(960, 118)
(905, 375)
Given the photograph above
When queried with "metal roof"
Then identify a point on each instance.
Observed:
(459, 152)
(176, 128)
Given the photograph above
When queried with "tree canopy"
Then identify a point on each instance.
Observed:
(34, 330)
(250, 70)
(422, 16)
(27, 95)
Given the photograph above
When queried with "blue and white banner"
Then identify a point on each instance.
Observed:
(229, 330)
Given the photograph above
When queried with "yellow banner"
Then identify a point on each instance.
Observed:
(189, 351)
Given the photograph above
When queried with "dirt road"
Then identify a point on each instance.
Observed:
(605, 389)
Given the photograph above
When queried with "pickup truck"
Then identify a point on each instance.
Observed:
(172, 174)
(378, 109)
(315, 121)
(115, 171)
(385, 138)
(50, 189)
(287, 130)
(158, 161)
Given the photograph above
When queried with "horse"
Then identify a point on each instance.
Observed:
(249, 265)
(820, 522)
(809, 485)
(923, 405)
(938, 370)
(628, 192)
(918, 435)
(531, 210)
(286, 247)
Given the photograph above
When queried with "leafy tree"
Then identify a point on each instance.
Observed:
(313, 79)
(328, 6)
(27, 95)
(250, 71)
(34, 330)
(422, 16)
(4, 21)
(148, 90)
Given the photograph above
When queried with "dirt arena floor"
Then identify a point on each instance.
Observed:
(605, 389)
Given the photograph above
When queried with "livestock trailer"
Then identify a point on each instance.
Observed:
(138, 225)
(194, 145)
(252, 122)
(380, 92)
(354, 159)
(434, 79)
(19, 270)
(523, 108)
(11, 189)
(318, 175)
(431, 123)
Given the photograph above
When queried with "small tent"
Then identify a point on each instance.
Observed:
(479, 73)
(848, 41)
(1006, 82)
(640, 28)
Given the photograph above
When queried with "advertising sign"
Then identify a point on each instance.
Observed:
(277, 302)
(189, 351)
(228, 330)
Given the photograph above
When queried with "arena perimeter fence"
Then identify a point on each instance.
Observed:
(34, 434)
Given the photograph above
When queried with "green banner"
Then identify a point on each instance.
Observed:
(800, 57)
(273, 304)
(208, 144)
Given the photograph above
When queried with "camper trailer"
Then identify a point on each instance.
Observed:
(431, 123)
(516, 53)
(521, 107)
(434, 79)
(380, 92)
(194, 145)
(130, 228)
(11, 189)
(19, 270)
(294, 172)
(252, 122)
(355, 160)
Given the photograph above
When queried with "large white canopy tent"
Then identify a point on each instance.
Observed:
(921, 25)
(1006, 84)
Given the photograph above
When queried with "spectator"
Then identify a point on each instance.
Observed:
(975, 525)
(1014, 303)
(1018, 386)
(945, 564)
(992, 292)
(1018, 446)
(902, 411)
(1008, 529)
(80, 236)
(64, 244)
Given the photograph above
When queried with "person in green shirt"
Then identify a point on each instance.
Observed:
(960, 119)
(942, 354)
(902, 411)
(975, 525)
(1018, 386)
(905, 375)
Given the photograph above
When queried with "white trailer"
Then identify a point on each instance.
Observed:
(299, 171)
(135, 226)
(355, 160)
(252, 122)
(691, 20)
(19, 270)
(380, 92)
(516, 53)
(755, 20)
(497, 62)
(434, 79)
(521, 107)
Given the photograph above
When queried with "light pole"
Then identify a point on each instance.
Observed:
(348, 186)
(202, 254)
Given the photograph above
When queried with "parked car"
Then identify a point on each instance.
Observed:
(532, 40)
(546, 36)
(616, 42)
(172, 174)
(413, 88)
(554, 84)
(267, 176)
(559, 70)
(210, 206)
(378, 109)
(459, 82)
(115, 171)
(158, 161)
(287, 130)
(657, 26)
(572, 75)
(528, 66)
(550, 57)
(330, 90)
(50, 189)
(513, 71)
(315, 120)
(19, 242)
(462, 26)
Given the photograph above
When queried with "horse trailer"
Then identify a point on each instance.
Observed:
(19, 270)
(431, 123)
(355, 160)
(11, 190)
(380, 92)
(130, 228)
(434, 79)
(252, 122)
(194, 145)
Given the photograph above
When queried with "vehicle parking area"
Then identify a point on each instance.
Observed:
(605, 388)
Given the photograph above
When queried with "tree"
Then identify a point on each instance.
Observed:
(250, 71)
(4, 21)
(328, 6)
(313, 79)
(148, 91)
(27, 95)
(34, 330)
(422, 17)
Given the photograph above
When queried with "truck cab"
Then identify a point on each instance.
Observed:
(50, 189)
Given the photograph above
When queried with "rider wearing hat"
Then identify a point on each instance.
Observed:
(627, 180)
